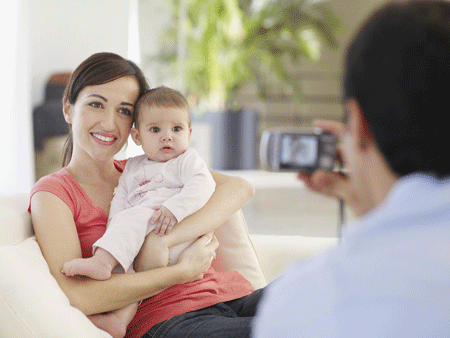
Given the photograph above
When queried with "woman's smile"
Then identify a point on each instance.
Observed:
(104, 138)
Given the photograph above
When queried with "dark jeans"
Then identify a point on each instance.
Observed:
(224, 320)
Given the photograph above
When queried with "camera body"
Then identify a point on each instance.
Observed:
(297, 149)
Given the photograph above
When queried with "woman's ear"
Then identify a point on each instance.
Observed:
(67, 111)
(135, 136)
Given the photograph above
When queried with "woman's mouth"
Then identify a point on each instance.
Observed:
(104, 139)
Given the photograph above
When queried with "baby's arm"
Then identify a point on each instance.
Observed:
(198, 186)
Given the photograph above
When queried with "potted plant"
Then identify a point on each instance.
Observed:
(220, 45)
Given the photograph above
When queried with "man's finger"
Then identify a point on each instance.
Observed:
(332, 127)
(330, 183)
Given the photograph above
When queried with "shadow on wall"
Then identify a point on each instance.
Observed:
(49, 127)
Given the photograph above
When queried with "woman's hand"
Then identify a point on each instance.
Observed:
(197, 258)
(333, 184)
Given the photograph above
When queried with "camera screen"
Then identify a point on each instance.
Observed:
(298, 150)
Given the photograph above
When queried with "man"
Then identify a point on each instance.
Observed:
(390, 274)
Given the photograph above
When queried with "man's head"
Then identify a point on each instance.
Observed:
(162, 124)
(396, 71)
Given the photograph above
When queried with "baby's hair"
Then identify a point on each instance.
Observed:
(164, 97)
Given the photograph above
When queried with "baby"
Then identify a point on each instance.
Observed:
(155, 191)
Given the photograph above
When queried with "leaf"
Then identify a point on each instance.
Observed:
(230, 42)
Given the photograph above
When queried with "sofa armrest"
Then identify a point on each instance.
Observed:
(15, 223)
(276, 252)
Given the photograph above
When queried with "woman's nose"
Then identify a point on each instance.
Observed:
(108, 120)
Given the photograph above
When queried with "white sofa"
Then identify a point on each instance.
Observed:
(32, 305)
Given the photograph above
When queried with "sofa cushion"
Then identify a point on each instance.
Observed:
(236, 251)
(31, 301)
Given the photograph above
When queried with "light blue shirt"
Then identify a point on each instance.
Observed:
(388, 277)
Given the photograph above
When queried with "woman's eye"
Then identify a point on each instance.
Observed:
(126, 111)
(96, 104)
(176, 128)
(154, 129)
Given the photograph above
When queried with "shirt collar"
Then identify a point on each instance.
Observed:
(411, 195)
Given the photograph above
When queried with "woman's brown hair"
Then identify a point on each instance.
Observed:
(98, 69)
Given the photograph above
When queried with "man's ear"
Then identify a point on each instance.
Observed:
(358, 125)
(135, 136)
(67, 111)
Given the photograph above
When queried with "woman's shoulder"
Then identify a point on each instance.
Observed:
(52, 180)
(59, 183)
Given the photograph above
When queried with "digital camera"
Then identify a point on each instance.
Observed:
(297, 149)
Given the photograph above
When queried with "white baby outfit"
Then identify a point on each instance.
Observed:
(183, 185)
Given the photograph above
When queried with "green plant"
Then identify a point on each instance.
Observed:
(231, 42)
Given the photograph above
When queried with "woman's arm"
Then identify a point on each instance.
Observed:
(231, 194)
(57, 237)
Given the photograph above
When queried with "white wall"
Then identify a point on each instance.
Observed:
(16, 171)
(154, 17)
(65, 32)
(42, 37)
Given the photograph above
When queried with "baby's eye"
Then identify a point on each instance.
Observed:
(154, 129)
(177, 128)
(126, 111)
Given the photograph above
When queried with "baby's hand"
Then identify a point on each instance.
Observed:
(164, 221)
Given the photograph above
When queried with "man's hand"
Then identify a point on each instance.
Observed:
(163, 220)
(329, 183)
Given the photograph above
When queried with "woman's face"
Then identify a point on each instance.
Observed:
(101, 118)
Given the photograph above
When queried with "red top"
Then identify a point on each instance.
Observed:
(90, 220)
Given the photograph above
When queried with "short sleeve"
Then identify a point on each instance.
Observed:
(58, 184)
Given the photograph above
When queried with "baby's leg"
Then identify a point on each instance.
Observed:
(125, 234)
(98, 267)
(115, 322)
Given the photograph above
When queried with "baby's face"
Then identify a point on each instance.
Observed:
(164, 133)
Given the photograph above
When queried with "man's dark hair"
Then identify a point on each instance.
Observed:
(398, 68)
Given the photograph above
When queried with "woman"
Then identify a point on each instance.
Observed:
(69, 211)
